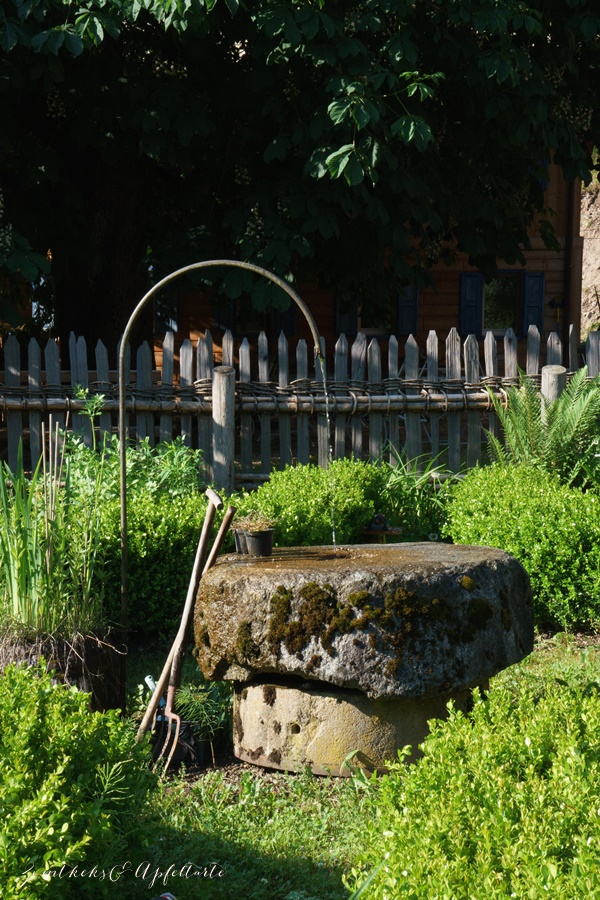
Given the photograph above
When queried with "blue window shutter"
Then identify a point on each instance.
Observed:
(532, 303)
(471, 303)
(408, 307)
(346, 316)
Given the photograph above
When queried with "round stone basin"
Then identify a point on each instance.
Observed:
(356, 636)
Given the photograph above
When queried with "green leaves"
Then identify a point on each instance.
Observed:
(502, 803)
(64, 797)
(308, 502)
(412, 128)
(355, 108)
(345, 161)
(553, 530)
(560, 437)
(340, 102)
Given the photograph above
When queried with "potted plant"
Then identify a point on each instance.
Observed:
(257, 528)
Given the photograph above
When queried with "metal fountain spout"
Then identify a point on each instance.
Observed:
(194, 267)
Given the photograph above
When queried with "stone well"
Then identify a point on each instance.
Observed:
(355, 649)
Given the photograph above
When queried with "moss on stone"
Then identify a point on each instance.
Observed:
(245, 646)
(280, 611)
(468, 583)
(358, 599)
(387, 622)
(269, 694)
(314, 662)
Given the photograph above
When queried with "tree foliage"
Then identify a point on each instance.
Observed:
(357, 143)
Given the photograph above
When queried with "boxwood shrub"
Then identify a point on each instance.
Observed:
(503, 803)
(74, 788)
(552, 529)
(163, 534)
(309, 502)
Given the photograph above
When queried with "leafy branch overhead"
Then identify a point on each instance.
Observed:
(356, 143)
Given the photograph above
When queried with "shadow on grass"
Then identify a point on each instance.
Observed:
(196, 865)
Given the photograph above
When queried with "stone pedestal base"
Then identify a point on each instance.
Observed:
(312, 725)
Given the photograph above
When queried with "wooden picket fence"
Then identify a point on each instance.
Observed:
(428, 402)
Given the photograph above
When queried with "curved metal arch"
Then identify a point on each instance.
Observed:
(234, 263)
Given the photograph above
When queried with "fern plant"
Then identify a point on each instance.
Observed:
(561, 436)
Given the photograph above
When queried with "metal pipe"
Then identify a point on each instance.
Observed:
(194, 267)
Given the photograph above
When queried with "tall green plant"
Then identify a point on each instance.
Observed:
(561, 436)
(49, 547)
(415, 496)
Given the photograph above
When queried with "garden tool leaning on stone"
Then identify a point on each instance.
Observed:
(170, 721)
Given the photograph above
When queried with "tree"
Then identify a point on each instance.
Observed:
(357, 144)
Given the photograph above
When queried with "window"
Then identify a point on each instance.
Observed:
(502, 302)
(514, 299)
(399, 317)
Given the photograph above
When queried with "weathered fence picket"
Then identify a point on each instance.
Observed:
(375, 419)
(453, 371)
(34, 383)
(322, 417)
(554, 351)
(303, 418)
(592, 353)
(393, 420)
(414, 446)
(103, 381)
(186, 378)
(285, 425)
(12, 377)
(245, 417)
(358, 361)
(433, 374)
(144, 420)
(340, 382)
(204, 372)
(266, 452)
(403, 402)
(491, 371)
(166, 421)
(473, 417)
(533, 349)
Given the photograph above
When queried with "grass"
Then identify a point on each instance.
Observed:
(290, 836)
(293, 837)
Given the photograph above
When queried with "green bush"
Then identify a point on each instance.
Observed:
(504, 803)
(309, 502)
(73, 788)
(163, 534)
(165, 511)
(553, 530)
(171, 468)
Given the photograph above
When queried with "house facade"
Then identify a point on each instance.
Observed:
(546, 293)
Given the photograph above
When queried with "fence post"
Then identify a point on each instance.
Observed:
(554, 381)
(223, 413)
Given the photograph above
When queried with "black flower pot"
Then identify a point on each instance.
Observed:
(241, 545)
(260, 543)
